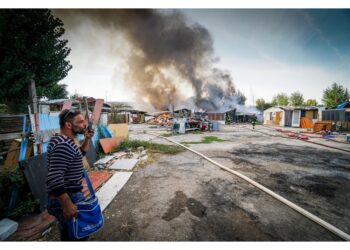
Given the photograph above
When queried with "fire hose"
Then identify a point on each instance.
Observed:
(301, 133)
(316, 143)
(290, 204)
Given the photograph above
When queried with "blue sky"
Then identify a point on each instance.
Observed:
(270, 51)
(267, 51)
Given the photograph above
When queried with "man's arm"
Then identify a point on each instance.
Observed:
(86, 143)
(69, 209)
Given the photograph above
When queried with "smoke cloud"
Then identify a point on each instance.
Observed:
(165, 50)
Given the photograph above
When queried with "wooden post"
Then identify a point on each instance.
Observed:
(33, 96)
(34, 104)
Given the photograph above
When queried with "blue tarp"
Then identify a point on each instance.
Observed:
(52, 122)
(105, 131)
(343, 105)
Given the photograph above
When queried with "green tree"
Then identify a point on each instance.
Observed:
(31, 47)
(262, 105)
(310, 102)
(54, 91)
(296, 99)
(335, 95)
(280, 99)
(76, 95)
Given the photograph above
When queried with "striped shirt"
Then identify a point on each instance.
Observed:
(65, 166)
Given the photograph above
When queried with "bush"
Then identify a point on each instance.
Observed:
(14, 181)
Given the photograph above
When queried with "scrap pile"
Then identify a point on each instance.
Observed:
(27, 137)
(121, 160)
(161, 119)
(183, 120)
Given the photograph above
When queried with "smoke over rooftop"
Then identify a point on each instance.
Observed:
(166, 50)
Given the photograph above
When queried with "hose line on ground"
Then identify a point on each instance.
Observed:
(295, 207)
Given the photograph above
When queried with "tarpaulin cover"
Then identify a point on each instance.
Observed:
(306, 122)
(343, 105)
(35, 171)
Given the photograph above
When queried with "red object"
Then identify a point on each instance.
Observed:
(97, 178)
(108, 144)
(97, 111)
(67, 104)
(32, 227)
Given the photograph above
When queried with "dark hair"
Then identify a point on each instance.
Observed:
(67, 115)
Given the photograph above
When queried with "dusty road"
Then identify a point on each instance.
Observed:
(185, 198)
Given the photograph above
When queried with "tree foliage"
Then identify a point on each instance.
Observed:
(262, 105)
(335, 95)
(280, 99)
(31, 47)
(310, 103)
(296, 99)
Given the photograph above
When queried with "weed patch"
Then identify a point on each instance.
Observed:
(205, 140)
(151, 147)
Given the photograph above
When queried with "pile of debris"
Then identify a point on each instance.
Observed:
(121, 160)
(164, 118)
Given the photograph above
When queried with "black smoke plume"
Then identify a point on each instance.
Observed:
(163, 40)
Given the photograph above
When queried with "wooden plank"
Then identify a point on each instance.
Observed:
(109, 190)
(10, 136)
(108, 144)
(97, 111)
(67, 104)
(12, 157)
(120, 129)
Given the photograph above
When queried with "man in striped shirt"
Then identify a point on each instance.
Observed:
(65, 168)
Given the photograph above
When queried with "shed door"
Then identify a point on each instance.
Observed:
(278, 118)
(296, 118)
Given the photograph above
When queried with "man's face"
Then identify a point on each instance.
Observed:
(78, 124)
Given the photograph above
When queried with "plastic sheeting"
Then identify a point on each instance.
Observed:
(35, 171)
(343, 105)
(48, 122)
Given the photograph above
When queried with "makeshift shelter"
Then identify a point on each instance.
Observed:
(127, 116)
(216, 116)
(284, 116)
(278, 116)
(339, 115)
(244, 117)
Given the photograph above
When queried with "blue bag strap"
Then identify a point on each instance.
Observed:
(92, 192)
